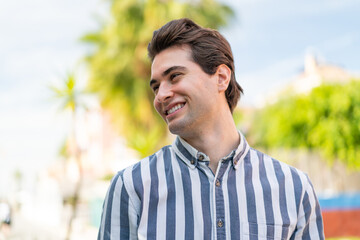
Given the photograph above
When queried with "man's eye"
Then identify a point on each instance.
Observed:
(155, 88)
(174, 75)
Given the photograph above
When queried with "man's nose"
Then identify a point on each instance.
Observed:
(164, 92)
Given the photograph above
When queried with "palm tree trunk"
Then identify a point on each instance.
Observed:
(76, 196)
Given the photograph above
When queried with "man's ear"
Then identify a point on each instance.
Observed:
(223, 73)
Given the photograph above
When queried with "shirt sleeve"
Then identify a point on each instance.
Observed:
(310, 223)
(119, 217)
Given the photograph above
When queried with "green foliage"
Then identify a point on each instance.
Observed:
(63, 151)
(328, 119)
(237, 116)
(120, 69)
(107, 177)
(67, 93)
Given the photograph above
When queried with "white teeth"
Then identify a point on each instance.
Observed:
(176, 107)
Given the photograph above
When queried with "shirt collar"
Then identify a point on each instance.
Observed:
(191, 155)
(187, 153)
(241, 151)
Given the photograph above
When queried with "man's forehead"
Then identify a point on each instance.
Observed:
(170, 57)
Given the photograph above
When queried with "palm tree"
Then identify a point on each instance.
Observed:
(70, 99)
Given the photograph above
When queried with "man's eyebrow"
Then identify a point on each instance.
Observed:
(167, 71)
(173, 68)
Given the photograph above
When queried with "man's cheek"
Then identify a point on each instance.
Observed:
(158, 109)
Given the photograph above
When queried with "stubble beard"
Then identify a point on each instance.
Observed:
(188, 126)
(181, 127)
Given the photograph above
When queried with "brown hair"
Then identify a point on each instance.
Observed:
(209, 49)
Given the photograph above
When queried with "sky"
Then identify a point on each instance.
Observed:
(39, 44)
(271, 38)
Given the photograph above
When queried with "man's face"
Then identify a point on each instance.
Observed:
(185, 96)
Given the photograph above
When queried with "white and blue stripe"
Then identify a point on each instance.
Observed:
(173, 194)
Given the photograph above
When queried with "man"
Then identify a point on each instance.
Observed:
(209, 184)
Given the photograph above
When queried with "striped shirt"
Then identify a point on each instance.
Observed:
(173, 194)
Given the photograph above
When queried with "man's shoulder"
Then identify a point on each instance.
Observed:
(280, 168)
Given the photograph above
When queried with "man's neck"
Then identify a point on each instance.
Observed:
(216, 141)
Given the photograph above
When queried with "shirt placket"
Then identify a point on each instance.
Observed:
(219, 206)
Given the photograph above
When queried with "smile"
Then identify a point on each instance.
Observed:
(175, 108)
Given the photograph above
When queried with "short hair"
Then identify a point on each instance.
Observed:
(209, 49)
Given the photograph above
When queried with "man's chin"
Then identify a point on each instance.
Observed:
(176, 128)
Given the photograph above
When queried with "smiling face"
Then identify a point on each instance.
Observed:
(185, 96)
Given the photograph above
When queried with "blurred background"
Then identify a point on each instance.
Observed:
(75, 106)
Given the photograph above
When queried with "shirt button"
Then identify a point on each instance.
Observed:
(217, 183)
(201, 157)
(220, 223)
(192, 162)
